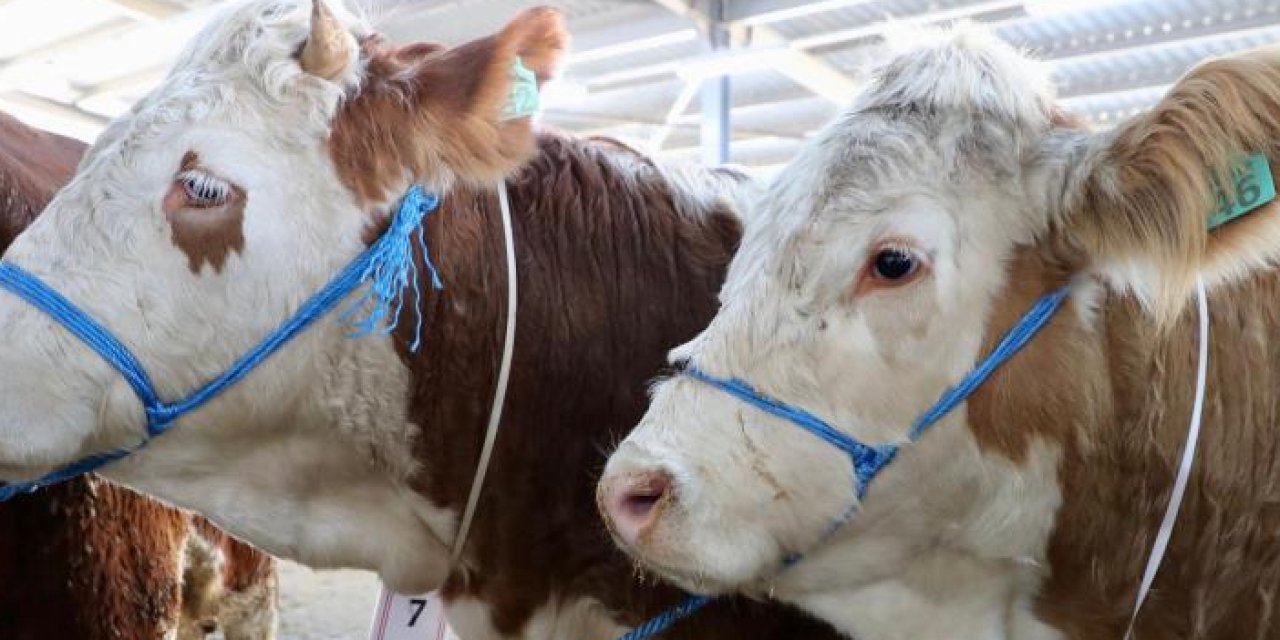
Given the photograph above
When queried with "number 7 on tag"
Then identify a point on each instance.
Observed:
(401, 617)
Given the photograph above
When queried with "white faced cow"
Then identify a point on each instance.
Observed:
(890, 256)
(262, 165)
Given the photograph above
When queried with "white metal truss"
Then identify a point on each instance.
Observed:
(72, 64)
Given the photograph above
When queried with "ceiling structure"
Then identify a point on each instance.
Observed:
(646, 71)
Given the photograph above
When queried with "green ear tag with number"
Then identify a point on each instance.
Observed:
(523, 100)
(1254, 188)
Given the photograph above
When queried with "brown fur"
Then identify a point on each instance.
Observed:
(33, 164)
(246, 566)
(437, 112)
(84, 559)
(89, 560)
(207, 235)
(1116, 391)
(1021, 401)
(1151, 193)
(1119, 402)
(612, 274)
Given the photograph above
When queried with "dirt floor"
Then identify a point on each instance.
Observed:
(325, 605)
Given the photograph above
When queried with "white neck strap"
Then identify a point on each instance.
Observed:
(1184, 470)
(504, 375)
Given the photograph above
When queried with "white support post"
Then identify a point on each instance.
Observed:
(715, 121)
(715, 135)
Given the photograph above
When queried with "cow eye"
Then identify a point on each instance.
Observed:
(894, 264)
(203, 190)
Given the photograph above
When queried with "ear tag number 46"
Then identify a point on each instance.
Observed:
(1254, 187)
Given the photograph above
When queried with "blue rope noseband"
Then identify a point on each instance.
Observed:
(868, 459)
(387, 265)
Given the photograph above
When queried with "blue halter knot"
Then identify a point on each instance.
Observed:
(387, 265)
(868, 459)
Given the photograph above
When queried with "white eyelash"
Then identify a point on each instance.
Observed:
(204, 189)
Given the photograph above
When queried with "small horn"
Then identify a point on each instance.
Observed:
(326, 51)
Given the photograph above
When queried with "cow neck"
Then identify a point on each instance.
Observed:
(613, 271)
(500, 387)
(1165, 533)
(1119, 465)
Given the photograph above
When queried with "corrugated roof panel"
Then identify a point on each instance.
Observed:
(672, 54)
(1157, 64)
(861, 15)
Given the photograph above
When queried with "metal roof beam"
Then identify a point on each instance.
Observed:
(659, 137)
(1193, 35)
(758, 12)
(129, 82)
(926, 17)
(74, 40)
(610, 122)
(805, 69)
(153, 9)
(809, 71)
(801, 44)
(633, 36)
(64, 111)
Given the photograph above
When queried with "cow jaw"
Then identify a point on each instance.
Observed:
(331, 488)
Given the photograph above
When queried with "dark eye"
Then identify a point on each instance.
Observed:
(204, 190)
(894, 264)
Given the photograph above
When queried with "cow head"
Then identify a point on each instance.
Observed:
(262, 164)
(904, 238)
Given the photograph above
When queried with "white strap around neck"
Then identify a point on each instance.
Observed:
(1184, 470)
(504, 376)
(421, 617)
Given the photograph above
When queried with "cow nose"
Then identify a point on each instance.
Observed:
(633, 501)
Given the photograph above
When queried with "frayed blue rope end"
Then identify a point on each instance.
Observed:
(391, 271)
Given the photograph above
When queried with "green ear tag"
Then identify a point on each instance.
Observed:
(524, 93)
(1254, 188)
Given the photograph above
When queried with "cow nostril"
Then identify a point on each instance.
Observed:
(640, 498)
(633, 502)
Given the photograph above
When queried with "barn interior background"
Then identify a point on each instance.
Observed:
(744, 81)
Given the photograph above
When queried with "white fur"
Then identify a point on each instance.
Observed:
(950, 541)
(309, 457)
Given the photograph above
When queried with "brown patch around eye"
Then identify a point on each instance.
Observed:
(206, 234)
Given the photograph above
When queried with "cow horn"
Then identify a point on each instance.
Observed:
(326, 51)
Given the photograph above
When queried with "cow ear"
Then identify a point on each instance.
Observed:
(1147, 202)
(483, 93)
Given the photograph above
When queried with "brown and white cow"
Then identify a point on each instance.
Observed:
(263, 164)
(87, 559)
(884, 262)
(227, 585)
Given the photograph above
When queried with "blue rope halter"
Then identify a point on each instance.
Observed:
(387, 265)
(868, 459)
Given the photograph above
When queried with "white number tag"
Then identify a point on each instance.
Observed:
(401, 617)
